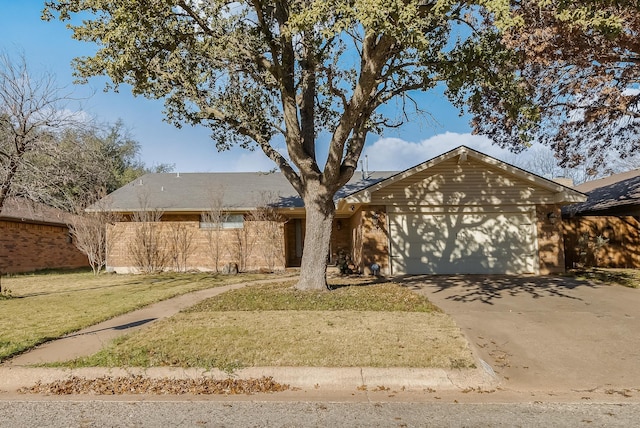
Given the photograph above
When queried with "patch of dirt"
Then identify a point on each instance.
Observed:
(142, 385)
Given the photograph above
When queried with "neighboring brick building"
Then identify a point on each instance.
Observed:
(604, 231)
(35, 237)
(461, 212)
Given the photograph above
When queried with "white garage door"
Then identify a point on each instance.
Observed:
(447, 243)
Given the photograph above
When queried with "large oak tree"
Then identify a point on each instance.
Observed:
(313, 72)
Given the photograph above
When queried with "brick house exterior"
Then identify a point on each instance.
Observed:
(206, 250)
(604, 230)
(35, 237)
(461, 212)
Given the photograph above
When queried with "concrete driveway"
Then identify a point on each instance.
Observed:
(545, 333)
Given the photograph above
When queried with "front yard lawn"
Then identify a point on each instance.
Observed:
(36, 308)
(375, 325)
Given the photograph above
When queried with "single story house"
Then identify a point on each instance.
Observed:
(462, 212)
(604, 230)
(36, 237)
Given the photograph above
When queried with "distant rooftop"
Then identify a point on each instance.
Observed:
(616, 194)
(23, 210)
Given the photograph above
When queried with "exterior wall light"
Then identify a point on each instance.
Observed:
(552, 217)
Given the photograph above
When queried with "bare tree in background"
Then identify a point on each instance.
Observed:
(89, 231)
(542, 160)
(242, 245)
(213, 220)
(32, 111)
(270, 229)
(147, 247)
(180, 243)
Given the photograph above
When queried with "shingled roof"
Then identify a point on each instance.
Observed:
(617, 194)
(23, 210)
(194, 192)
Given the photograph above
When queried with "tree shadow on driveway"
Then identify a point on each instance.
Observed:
(490, 288)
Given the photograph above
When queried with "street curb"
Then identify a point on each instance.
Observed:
(348, 378)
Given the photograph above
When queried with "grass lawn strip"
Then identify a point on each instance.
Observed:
(625, 277)
(381, 325)
(232, 339)
(283, 297)
(47, 306)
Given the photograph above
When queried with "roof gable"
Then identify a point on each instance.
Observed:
(461, 176)
(24, 210)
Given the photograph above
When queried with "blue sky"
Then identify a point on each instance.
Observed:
(48, 47)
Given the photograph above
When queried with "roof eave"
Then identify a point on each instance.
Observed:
(569, 197)
(187, 210)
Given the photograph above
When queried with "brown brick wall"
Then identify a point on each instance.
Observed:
(621, 251)
(340, 240)
(375, 239)
(263, 244)
(26, 247)
(550, 239)
(368, 231)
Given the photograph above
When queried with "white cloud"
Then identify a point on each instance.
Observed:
(385, 154)
(80, 117)
(394, 154)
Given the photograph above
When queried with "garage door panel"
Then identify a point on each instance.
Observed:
(462, 243)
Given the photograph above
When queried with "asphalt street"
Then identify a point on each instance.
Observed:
(54, 414)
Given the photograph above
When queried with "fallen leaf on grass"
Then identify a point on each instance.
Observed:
(142, 385)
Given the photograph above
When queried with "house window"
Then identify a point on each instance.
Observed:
(229, 221)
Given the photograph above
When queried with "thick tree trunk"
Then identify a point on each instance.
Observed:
(320, 211)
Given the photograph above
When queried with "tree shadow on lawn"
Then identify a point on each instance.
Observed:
(354, 280)
(120, 327)
(69, 291)
(490, 288)
(133, 281)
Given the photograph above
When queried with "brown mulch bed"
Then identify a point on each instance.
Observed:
(142, 385)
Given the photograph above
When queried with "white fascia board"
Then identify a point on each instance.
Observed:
(570, 197)
(362, 197)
